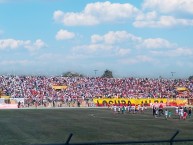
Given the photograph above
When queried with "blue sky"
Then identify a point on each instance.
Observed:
(133, 38)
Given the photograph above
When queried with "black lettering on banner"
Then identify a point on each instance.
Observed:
(146, 104)
(161, 101)
(119, 103)
(98, 104)
(104, 103)
(129, 103)
(123, 102)
(110, 102)
(156, 101)
(149, 101)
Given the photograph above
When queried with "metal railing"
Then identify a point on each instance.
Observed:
(170, 141)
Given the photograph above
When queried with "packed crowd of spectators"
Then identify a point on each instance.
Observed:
(40, 88)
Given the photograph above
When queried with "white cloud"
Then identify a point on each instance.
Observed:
(143, 58)
(96, 38)
(154, 13)
(128, 61)
(152, 43)
(120, 44)
(181, 52)
(11, 43)
(54, 57)
(74, 19)
(107, 11)
(118, 37)
(146, 16)
(183, 63)
(174, 52)
(164, 13)
(115, 37)
(47, 56)
(165, 6)
(58, 15)
(163, 21)
(137, 59)
(123, 52)
(13, 62)
(101, 50)
(15, 44)
(64, 34)
(38, 44)
(92, 48)
(96, 13)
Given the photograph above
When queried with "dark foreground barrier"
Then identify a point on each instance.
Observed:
(170, 141)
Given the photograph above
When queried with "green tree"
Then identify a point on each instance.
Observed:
(72, 74)
(190, 78)
(107, 74)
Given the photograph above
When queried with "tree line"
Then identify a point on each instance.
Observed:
(106, 74)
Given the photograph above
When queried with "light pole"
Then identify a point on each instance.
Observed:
(95, 71)
(173, 74)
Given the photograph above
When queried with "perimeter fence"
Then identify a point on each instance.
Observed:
(170, 141)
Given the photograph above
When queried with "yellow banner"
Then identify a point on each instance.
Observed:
(5, 97)
(181, 89)
(59, 87)
(145, 101)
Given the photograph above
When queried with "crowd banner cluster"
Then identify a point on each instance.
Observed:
(144, 101)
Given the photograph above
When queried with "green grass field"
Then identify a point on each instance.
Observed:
(46, 126)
